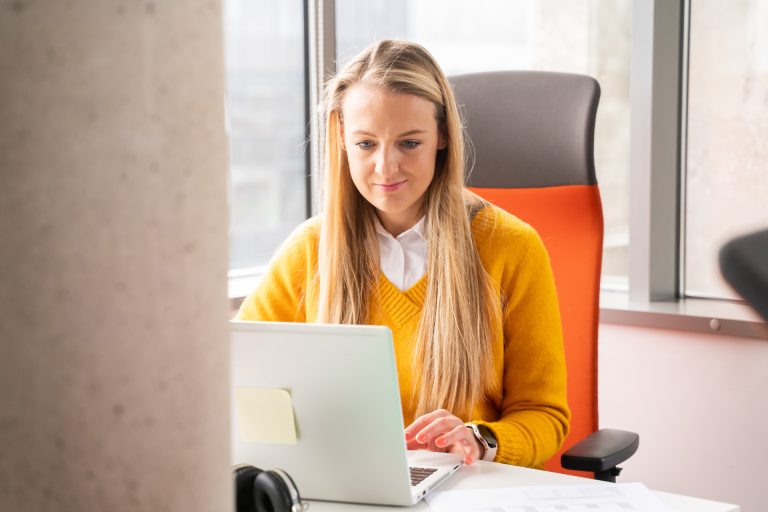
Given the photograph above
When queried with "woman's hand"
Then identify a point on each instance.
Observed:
(441, 431)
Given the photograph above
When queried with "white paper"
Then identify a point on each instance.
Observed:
(632, 497)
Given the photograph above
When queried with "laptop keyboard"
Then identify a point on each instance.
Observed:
(419, 474)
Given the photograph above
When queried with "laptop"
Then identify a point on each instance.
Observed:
(322, 403)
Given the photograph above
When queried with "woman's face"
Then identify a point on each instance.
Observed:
(391, 140)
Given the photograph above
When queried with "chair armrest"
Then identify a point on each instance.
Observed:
(601, 452)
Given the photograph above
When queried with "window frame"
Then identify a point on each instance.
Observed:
(658, 144)
(655, 134)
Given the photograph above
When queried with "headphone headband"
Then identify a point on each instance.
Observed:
(298, 505)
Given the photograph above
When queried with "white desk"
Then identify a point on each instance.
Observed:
(487, 475)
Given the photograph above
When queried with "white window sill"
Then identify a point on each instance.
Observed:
(241, 283)
(693, 315)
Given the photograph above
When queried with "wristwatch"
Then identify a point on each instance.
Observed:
(486, 438)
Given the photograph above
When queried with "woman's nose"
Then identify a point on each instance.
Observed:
(386, 162)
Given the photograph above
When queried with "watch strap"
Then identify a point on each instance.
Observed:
(490, 444)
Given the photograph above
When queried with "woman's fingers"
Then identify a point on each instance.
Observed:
(436, 428)
(413, 445)
(460, 440)
(453, 436)
(419, 424)
(442, 431)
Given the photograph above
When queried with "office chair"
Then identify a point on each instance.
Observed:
(744, 264)
(533, 138)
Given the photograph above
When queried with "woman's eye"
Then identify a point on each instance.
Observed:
(410, 144)
(365, 144)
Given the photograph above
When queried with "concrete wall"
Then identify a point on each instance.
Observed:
(698, 402)
(113, 257)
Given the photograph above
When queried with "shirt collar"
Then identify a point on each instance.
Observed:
(420, 228)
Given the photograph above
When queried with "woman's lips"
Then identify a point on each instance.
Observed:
(390, 187)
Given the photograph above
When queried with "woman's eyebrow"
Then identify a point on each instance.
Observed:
(404, 134)
(412, 132)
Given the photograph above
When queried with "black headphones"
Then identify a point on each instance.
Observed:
(266, 491)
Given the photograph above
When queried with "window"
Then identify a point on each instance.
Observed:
(266, 125)
(693, 73)
(727, 152)
(558, 35)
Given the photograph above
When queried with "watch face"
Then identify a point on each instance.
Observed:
(487, 435)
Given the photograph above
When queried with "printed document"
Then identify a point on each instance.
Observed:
(630, 497)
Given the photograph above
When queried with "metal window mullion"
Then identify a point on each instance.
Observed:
(655, 98)
(308, 116)
(685, 62)
(322, 65)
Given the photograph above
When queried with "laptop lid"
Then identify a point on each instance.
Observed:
(340, 384)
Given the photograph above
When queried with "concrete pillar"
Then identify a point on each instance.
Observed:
(113, 257)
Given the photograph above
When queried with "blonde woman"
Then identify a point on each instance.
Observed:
(466, 288)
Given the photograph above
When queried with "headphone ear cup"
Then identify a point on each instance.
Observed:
(245, 477)
(271, 493)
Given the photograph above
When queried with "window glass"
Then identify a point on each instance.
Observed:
(577, 36)
(727, 151)
(266, 125)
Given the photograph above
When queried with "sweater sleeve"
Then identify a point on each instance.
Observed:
(281, 293)
(534, 416)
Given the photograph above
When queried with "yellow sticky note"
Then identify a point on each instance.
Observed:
(265, 415)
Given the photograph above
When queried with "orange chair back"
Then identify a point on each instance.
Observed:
(533, 139)
(569, 221)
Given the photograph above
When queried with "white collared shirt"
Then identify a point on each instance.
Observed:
(403, 260)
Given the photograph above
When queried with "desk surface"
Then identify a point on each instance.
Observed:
(487, 475)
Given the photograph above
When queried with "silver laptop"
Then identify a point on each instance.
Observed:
(322, 403)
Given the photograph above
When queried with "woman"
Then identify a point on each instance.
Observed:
(465, 287)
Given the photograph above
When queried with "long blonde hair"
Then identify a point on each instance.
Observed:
(452, 350)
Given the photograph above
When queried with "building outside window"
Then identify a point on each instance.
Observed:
(266, 124)
(727, 147)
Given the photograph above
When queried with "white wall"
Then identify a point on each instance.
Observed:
(700, 405)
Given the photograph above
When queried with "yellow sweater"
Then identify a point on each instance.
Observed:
(530, 420)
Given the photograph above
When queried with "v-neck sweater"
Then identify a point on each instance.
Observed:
(531, 417)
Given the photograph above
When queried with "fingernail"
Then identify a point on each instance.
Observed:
(422, 438)
(440, 441)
